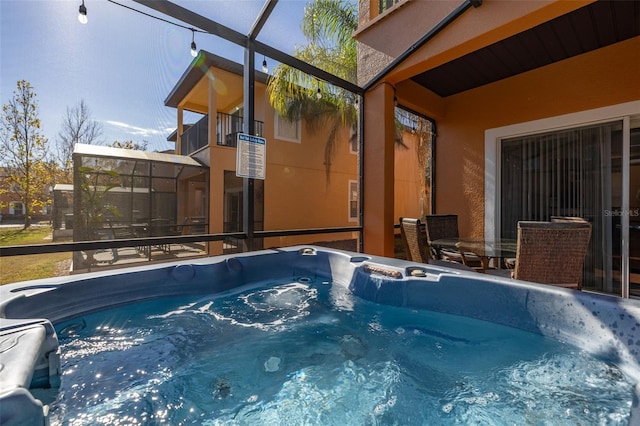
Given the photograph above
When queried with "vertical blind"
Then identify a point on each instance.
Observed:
(572, 172)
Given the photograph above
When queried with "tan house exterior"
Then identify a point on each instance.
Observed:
(296, 192)
(11, 206)
(494, 72)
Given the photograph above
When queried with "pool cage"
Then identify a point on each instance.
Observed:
(123, 193)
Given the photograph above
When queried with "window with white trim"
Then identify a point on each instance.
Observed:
(287, 130)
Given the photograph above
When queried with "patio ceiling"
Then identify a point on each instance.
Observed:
(591, 27)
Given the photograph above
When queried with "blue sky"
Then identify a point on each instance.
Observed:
(123, 64)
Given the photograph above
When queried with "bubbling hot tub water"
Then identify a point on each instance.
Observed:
(313, 337)
(308, 353)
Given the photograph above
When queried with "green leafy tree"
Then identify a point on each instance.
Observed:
(95, 185)
(328, 26)
(93, 206)
(24, 149)
(129, 144)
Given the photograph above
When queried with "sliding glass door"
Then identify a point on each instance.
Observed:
(634, 212)
(573, 172)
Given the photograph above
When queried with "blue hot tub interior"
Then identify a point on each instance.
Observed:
(604, 326)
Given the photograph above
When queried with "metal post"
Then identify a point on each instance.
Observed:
(248, 216)
(361, 170)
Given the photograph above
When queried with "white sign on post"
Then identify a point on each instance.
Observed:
(251, 158)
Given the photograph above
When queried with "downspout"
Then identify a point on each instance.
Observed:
(150, 204)
(176, 186)
(131, 194)
(434, 135)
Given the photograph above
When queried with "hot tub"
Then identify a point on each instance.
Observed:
(604, 326)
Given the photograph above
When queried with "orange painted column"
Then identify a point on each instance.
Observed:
(379, 131)
(179, 130)
(216, 173)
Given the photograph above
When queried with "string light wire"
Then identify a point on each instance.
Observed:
(158, 18)
(193, 50)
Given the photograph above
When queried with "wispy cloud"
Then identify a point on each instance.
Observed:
(139, 131)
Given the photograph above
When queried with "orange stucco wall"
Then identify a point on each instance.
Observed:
(298, 193)
(605, 77)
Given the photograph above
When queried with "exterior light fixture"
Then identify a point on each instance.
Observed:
(265, 68)
(194, 49)
(318, 92)
(82, 13)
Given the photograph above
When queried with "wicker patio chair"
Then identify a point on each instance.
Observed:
(510, 262)
(444, 226)
(414, 240)
(551, 253)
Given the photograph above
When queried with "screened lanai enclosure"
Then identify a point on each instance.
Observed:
(313, 189)
(124, 193)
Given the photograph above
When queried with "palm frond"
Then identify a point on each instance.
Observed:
(334, 20)
(328, 26)
(330, 147)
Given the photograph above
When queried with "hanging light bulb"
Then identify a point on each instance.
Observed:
(82, 13)
(318, 92)
(265, 68)
(194, 49)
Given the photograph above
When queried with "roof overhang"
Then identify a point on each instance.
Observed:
(173, 137)
(198, 69)
(101, 151)
(588, 28)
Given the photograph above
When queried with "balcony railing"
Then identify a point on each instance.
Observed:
(195, 137)
(228, 126)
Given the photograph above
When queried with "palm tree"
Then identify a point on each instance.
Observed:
(328, 26)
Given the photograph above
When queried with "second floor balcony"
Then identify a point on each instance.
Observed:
(228, 126)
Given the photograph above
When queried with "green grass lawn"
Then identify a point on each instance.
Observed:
(31, 267)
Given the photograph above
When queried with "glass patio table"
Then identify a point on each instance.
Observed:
(486, 250)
